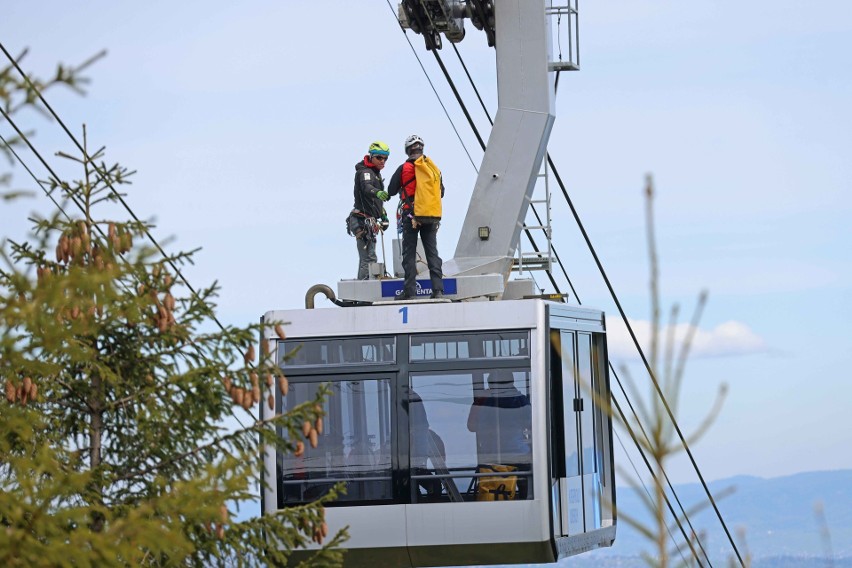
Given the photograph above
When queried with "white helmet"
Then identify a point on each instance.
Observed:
(411, 141)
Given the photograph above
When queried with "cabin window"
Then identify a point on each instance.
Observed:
(587, 384)
(355, 446)
(412, 419)
(498, 345)
(470, 435)
(343, 351)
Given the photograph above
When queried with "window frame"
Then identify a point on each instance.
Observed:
(314, 378)
(523, 366)
(399, 373)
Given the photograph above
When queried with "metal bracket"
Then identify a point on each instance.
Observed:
(431, 18)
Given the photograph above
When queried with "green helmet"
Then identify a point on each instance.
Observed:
(379, 148)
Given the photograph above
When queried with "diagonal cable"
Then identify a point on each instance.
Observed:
(532, 206)
(656, 481)
(647, 365)
(559, 180)
(434, 90)
(645, 361)
(665, 475)
(650, 470)
(482, 143)
(115, 193)
(171, 263)
(48, 193)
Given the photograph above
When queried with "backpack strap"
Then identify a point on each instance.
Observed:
(406, 184)
(405, 197)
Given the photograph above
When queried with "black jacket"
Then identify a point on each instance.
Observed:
(367, 183)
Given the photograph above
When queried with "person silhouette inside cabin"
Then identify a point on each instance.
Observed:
(501, 417)
(424, 444)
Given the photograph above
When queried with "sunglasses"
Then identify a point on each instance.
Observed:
(382, 158)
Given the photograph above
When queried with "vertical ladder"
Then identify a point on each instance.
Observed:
(543, 258)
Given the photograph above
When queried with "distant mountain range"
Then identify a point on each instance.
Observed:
(774, 520)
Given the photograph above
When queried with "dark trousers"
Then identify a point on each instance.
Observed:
(428, 234)
(366, 255)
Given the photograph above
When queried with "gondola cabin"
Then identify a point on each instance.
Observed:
(464, 433)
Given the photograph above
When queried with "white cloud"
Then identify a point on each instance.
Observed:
(726, 339)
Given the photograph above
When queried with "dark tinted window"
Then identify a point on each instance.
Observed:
(355, 445)
(470, 435)
(497, 345)
(344, 351)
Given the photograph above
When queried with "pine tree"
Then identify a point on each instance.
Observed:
(119, 384)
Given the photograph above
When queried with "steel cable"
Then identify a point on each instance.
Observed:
(171, 263)
(612, 292)
(645, 361)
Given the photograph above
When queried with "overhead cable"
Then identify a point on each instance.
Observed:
(434, 90)
(115, 193)
(482, 143)
(29, 171)
(561, 184)
(658, 484)
(647, 365)
(470, 122)
(642, 355)
(532, 206)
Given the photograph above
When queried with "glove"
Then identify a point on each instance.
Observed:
(383, 195)
(385, 222)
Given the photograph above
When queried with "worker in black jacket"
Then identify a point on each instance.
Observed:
(368, 215)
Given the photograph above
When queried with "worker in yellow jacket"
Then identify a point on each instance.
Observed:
(420, 188)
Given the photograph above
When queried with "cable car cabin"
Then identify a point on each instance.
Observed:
(464, 433)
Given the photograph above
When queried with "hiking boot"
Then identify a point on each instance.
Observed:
(437, 294)
(405, 296)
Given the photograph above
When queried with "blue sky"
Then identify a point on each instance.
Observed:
(244, 122)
